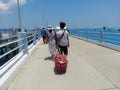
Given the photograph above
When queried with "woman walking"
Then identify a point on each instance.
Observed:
(51, 44)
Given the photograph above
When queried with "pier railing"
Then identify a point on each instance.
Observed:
(23, 43)
(13, 54)
(110, 39)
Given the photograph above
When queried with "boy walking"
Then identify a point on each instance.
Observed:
(63, 38)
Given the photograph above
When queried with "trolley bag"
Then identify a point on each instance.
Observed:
(60, 63)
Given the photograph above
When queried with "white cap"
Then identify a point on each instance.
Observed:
(43, 27)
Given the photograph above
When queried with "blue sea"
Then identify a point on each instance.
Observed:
(110, 36)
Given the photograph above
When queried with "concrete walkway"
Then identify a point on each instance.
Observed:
(90, 67)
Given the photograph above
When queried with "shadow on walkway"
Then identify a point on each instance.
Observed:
(48, 58)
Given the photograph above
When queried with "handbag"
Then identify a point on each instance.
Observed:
(46, 39)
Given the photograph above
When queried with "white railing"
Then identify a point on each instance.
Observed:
(23, 42)
(107, 39)
(1, 56)
(9, 66)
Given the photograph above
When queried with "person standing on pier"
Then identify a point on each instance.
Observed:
(43, 33)
(63, 39)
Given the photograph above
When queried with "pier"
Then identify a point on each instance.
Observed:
(90, 67)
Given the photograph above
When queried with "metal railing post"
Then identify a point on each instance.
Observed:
(87, 34)
(39, 35)
(34, 38)
(24, 41)
(101, 36)
(20, 42)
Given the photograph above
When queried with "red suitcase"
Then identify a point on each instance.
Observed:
(60, 63)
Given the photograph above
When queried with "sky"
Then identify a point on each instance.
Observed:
(75, 13)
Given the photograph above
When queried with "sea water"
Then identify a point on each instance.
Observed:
(111, 36)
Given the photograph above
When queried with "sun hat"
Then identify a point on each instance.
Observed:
(51, 28)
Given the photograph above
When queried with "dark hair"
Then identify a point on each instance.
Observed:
(50, 31)
(43, 28)
(62, 25)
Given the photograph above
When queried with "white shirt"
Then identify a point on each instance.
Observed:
(63, 40)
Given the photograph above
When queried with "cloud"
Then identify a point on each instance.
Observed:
(6, 7)
(3, 6)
